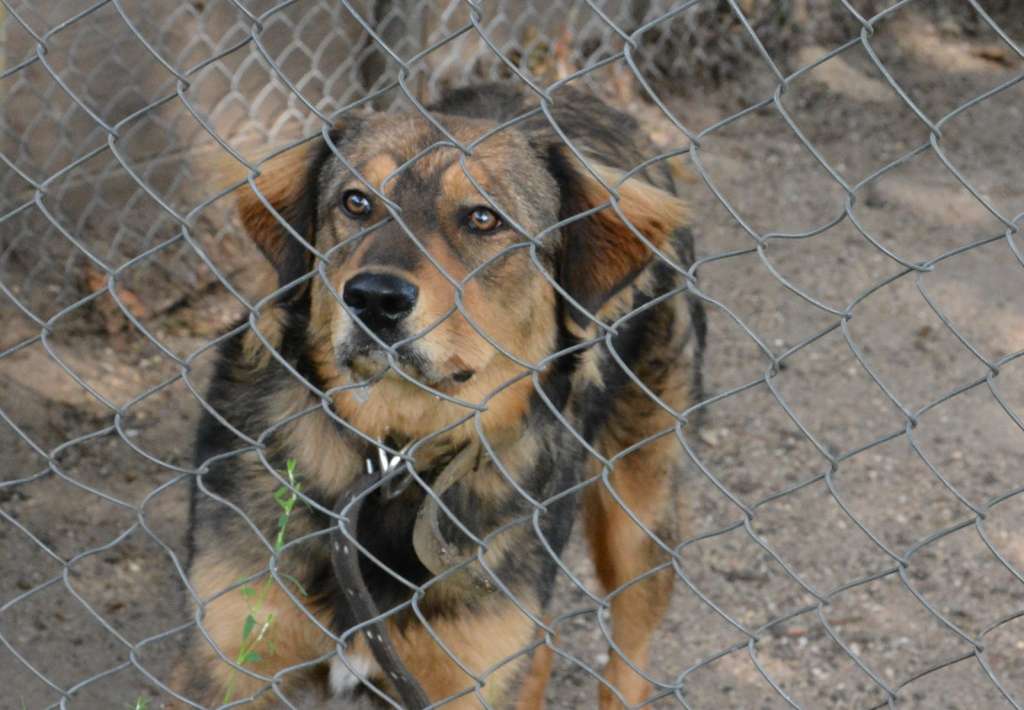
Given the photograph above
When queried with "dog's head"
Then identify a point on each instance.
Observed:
(454, 270)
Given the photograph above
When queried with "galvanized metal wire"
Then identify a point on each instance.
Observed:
(110, 109)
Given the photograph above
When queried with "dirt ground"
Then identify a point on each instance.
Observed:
(834, 614)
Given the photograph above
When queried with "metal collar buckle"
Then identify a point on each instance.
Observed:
(389, 468)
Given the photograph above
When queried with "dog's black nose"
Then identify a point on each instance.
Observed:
(380, 301)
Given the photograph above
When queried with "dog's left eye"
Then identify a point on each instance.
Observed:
(482, 219)
(356, 203)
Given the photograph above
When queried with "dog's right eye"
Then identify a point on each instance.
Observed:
(356, 203)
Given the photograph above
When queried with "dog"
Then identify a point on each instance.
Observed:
(496, 292)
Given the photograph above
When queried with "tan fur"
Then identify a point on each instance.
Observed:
(313, 441)
(423, 414)
(613, 253)
(458, 189)
(279, 182)
(531, 695)
(651, 210)
(291, 637)
(621, 549)
(542, 658)
(269, 325)
(376, 170)
(507, 630)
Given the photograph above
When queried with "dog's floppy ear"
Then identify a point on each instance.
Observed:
(601, 254)
(288, 183)
(283, 184)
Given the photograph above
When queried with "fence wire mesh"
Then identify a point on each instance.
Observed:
(850, 476)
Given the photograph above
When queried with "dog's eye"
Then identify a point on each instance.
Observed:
(483, 219)
(356, 203)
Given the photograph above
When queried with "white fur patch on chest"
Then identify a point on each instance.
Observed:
(342, 680)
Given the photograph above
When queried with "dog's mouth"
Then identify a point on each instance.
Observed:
(369, 362)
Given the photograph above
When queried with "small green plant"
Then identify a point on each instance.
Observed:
(141, 703)
(257, 625)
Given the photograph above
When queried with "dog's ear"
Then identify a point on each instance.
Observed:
(287, 189)
(601, 254)
(282, 194)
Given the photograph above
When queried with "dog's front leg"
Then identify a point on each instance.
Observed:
(471, 658)
(281, 635)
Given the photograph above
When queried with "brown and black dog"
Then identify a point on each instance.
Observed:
(455, 305)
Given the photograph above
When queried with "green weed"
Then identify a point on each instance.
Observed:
(256, 638)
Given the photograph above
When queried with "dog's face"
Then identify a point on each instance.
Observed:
(445, 269)
(440, 274)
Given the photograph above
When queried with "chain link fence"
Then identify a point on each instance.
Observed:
(854, 491)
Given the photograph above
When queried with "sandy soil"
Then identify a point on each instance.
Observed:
(113, 506)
